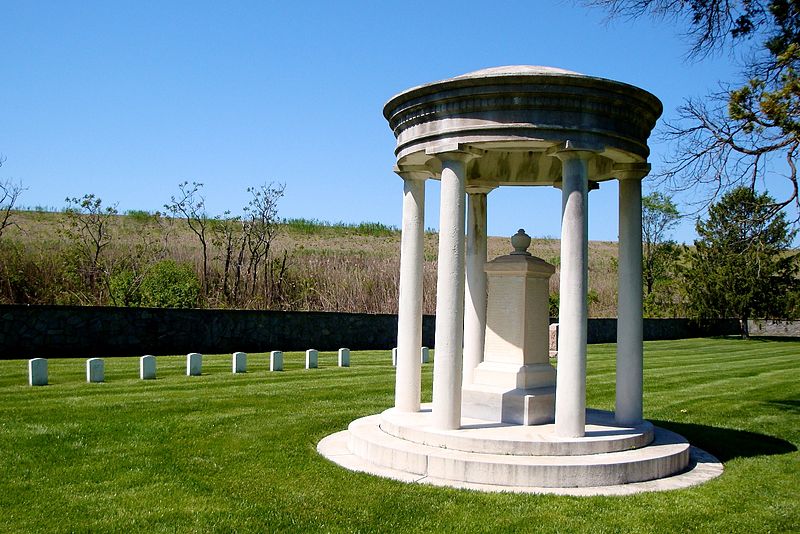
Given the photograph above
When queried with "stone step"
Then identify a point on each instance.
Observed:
(603, 434)
(666, 455)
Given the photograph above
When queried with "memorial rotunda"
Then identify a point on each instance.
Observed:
(502, 418)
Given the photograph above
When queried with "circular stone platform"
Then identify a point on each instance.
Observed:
(609, 460)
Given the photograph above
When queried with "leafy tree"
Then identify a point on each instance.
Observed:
(659, 216)
(660, 255)
(748, 131)
(87, 225)
(741, 266)
(189, 205)
(260, 226)
(228, 237)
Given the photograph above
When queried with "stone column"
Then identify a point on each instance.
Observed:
(573, 312)
(475, 297)
(409, 316)
(448, 364)
(629, 304)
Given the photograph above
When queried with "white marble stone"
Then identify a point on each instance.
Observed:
(367, 444)
(344, 357)
(409, 317)
(95, 370)
(194, 364)
(37, 372)
(630, 371)
(525, 135)
(394, 356)
(239, 362)
(425, 355)
(475, 289)
(276, 360)
(515, 381)
(312, 359)
(448, 365)
(147, 367)
(574, 287)
(553, 340)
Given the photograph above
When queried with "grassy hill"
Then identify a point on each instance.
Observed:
(311, 265)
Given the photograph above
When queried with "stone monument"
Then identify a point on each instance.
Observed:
(497, 423)
(515, 382)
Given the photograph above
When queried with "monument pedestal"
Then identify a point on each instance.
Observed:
(515, 382)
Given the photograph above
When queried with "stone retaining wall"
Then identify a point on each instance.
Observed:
(769, 328)
(85, 331)
(605, 330)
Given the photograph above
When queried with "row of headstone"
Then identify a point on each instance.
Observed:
(424, 355)
(95, 367)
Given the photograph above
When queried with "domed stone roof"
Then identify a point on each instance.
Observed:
(516, 115)
(513, 70)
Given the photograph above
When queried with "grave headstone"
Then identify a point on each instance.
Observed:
(312, 359)
(553, 340)
(194, 364)
(344, 357)
(37, 372)
(95, 370)
(425, 355)
(147, 367)
(394, 356)
(276, 360)
(239, 362)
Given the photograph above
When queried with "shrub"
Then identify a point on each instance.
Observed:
(139, 216)
(123, 288)
(170, 285)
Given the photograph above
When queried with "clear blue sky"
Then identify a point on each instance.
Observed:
(127, 99)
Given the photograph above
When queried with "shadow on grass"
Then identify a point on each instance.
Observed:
(757, 338)
(727, 444)
(790, 405)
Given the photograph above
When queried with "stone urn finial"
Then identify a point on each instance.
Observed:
(521, 241)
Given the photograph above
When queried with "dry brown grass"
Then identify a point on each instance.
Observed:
(327, 268)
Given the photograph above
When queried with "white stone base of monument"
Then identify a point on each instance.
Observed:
(516, 406)
(511, 393)
(147, 367)
(95, 370)
(344, 357)
(487, 456)
(239, 362)
(276, 360)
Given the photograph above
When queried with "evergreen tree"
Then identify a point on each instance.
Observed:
(741, 267)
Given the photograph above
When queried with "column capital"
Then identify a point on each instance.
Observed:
(593, 185)
(453, 151)
(630, 171)
(413, 172)
(480, 189)
(572, 150)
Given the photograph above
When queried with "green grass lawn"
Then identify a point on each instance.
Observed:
(224, 452)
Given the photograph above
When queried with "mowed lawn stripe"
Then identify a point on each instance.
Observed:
(224, 452)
